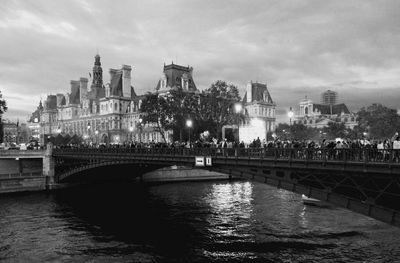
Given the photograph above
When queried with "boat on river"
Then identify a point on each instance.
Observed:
(310, 201)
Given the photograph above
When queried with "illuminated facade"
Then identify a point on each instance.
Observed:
(260, 113)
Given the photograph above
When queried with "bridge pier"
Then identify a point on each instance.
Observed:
(48, 167)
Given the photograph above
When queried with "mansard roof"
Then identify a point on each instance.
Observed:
(336, 109)
(133, 93)
(116, 84)
(96, 94)
(257, 93)
(51, 102)
(174, 73)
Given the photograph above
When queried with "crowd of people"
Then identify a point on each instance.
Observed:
(360, 149)
(392, 143)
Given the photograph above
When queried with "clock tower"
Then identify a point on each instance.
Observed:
(97, 82)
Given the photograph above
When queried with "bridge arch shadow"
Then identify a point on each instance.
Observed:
(105, 171)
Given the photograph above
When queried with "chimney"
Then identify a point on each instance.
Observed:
(112, 73)
(74, 99)
(83, 83)
(126, 81)
(59, 99)
(249, 89)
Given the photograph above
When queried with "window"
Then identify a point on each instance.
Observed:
(115, 106)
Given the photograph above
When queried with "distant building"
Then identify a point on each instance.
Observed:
(260, 112)
(329, 97)
(33, 123)
(10, 132)
(319, 115)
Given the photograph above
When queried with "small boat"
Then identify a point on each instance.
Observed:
(310, 201)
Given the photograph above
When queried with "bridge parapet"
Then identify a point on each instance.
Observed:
(338, 155)
(22, 154)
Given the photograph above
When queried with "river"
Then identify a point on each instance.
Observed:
(214, 221)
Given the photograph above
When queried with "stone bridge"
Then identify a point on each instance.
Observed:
(364, 181)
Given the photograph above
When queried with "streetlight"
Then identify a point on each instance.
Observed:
(97, 136)
(130, 132)
(140, 130)
(238, 109)
(189, 124)
(88, 130)
(290, 114)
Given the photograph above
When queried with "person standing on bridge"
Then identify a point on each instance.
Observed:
(396, 148)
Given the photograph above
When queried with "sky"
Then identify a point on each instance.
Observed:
(299, 48)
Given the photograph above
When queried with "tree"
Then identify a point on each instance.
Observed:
(379, 121)
(181, 106)
(209, 110)
(216, 107)
(297, 131)
(155, 112)
(335, 130)
(3, 109)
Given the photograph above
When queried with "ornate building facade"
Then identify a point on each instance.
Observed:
(105, 113)
(99, 113)
(319, 115)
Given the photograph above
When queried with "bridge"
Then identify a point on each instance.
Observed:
(364, 181)
(361, 180)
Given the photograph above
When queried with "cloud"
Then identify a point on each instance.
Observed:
(298, 47)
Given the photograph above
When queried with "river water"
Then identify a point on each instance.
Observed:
(222, 221)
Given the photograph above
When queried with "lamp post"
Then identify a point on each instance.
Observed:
(290, 114)
(130, 132)
(88, 131)
(97, 136)
(140, 130)
(238, 109)
(189, 124)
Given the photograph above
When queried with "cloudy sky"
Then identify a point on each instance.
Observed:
(300, 48)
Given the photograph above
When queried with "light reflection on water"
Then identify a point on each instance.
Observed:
(230, 208)
(186, 222)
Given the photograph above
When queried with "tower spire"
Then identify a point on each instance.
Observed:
(97, 81)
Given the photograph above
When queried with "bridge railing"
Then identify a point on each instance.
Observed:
(344, 155)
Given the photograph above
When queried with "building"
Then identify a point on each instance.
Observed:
(98, 114)
(11, 132)
(33, 124)
(260, 113)
(175, 76)
(104, 113)
(329, 97)
(319, 115)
